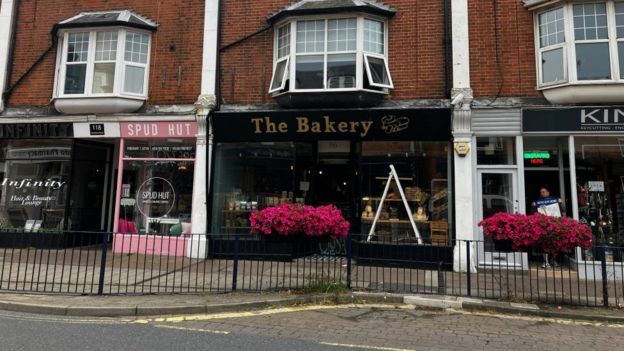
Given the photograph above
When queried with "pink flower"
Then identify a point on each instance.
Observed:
(549, 234)
(293, 219)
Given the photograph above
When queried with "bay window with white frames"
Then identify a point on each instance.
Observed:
(343, 53)
(580, 51)
(103, 63)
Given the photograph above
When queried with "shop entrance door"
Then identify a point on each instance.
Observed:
(335, 177)
(91, 172)
(498, 193)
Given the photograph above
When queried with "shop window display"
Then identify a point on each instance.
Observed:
(423, 170)
(34, 183)
(600, 190)
(157, 188)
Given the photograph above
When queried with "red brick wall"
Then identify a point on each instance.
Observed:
(416, 50)
(514, 74)
(180, 25)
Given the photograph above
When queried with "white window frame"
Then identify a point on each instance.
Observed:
(120, 64)
(360, 60)
(569, 46)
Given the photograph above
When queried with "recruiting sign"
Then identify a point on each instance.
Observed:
(381, 124)
(582, 119)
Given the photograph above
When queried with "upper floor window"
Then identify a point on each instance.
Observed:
(102, 55)
(331, 54)
(580, 43)
(96, 63)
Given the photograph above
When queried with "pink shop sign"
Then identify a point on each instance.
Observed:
(158, 129)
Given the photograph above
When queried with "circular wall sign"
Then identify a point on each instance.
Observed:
(155, 197)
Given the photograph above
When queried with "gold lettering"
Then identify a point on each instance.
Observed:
(316, 127)
(282, 127)
(343, 127)
(257, 122)
(302, 125)
(354, 126)
(329, 126)
(271, 127)
(366, 125)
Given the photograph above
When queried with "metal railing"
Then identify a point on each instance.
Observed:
(112, 264)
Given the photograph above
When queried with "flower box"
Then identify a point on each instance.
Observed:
(264, 247)
(404, 255)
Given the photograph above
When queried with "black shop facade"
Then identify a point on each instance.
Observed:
(338, 157)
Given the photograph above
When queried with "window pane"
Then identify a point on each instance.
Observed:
(552, 66)
(310, 36)
(133, 81)
(341, 71)
(78, 47)
(621, 55)
(106, 46)
(590, 21)
(75, 79)
(619, 18)
(103, 78)
(309, 74)
(278, 77)
(283, 41)
(378, 72)
(341, 35)
(496, 151)
(551, 27)
(374, 37)
(592, 61)
(136, 47)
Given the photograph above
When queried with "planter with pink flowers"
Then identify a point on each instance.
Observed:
(283, 233)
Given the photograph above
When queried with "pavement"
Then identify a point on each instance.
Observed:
(161, 305)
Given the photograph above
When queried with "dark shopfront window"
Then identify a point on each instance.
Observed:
(34, 183)
(350, 175)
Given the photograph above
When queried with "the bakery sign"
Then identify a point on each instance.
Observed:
(359, 124)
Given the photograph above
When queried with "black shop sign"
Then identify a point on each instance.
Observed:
(306, 125)
(574, 120)
(36, 130)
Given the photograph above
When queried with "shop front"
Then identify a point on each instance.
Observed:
(342, 158)
(578, 155)
(153, 206)
(51, 185)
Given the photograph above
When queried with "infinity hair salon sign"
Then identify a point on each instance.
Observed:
(381, 124)
(571, 120)
(29, 192)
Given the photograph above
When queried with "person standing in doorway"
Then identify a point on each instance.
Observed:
(548, 206)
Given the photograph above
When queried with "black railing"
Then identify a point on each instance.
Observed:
(104, 263)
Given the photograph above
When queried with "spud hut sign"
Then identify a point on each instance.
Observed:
(379, 124)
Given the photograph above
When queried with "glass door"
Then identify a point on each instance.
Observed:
(498, 193)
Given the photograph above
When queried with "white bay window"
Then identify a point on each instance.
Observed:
(341, 53)
(580, 51)
(102, 62)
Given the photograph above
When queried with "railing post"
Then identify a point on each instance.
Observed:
(349, 254)
(103, 263)
(468, 269)
(605, 277)
(235, 268)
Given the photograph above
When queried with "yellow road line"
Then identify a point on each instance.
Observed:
(281, 310)
(542, 319)
(364, 347)
(192, 329)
